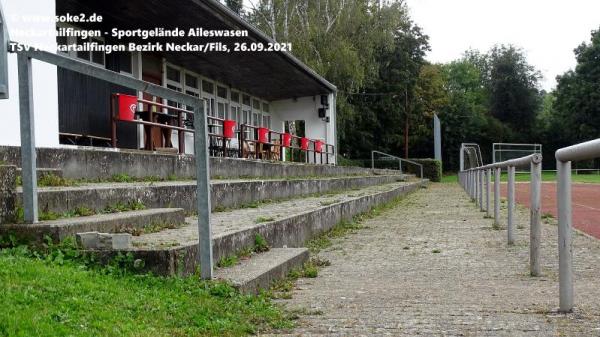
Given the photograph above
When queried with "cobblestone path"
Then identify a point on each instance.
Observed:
(434, 266)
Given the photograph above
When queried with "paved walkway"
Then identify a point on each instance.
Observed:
(435, 267)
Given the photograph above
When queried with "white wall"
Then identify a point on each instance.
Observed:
(45, 89)
(307, 109)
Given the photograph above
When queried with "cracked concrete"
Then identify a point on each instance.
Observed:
(433, 266)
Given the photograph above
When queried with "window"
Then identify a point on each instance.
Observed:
(246, 116)
(85, 55)
(173, 75)
(266, 121)
(97, 57)
(256, 104)
(222, 110)
(256, 119)
(222, 92)
(266, 107)
(173, 82)
(235, 96)
(236, 116)
(191, 81)
(125, 62)
(246, 100)
(208, 87)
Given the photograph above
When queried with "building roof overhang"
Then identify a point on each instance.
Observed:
(269, 75)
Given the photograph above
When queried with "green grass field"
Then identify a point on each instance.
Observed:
(57, 297)
(546, 176)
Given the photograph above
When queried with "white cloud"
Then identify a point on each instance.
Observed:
(548, 30)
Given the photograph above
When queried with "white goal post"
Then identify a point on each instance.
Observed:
(507, 151)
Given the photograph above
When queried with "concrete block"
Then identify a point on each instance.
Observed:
(87, 240)
(121, 241)
(114, 241)
(8, 193)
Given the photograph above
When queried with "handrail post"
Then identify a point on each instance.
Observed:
(475, 187)
(497, 174)
(565, 249)
(488, 174)
(28, 155)
(535, 229)
(511, 205)
(471, 186)
(205, 253)
(480, 174)
(372, 160)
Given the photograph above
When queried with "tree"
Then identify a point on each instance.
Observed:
(235, 5)
(513, 86)
(578, 94)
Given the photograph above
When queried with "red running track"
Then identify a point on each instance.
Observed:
(586, 203)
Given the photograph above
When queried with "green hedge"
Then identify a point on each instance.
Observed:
(432, 168)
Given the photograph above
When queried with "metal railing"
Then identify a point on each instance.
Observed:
(400, 160)
(564, 157)
(28, 156)
(475, 180)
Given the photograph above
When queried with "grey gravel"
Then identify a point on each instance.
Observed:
(433, 266)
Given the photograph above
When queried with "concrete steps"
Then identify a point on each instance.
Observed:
(182, 194)
(129, 221)
(44, 171)
(287, 223)
(259, 272)
(102, 163)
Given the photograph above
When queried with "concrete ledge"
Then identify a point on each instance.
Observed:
(92, 162)
(292, 231)
(229, 194)
(262, 269)
(45, 171)
(107, 223)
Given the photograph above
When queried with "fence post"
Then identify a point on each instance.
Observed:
(497, 174)
(372, 160)
(565, 249)
(471, 185)
(488, 177)
(511, 204)
(474, 189)
(205, 253)
(535, 229)
(28, 155)
(480, 173)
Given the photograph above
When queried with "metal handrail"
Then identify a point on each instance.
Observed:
(564, 157)
(26, 110)
(400, 160)
(472, 180)
(4, 38)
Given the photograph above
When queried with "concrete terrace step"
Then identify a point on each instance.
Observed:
(259, 272)
(95, 162)
(106, 223)
(224, 193)
(44, 171)
(283, 224)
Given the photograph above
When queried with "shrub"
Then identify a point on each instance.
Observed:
(432, 168)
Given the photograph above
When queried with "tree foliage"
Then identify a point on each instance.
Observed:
(375, 55)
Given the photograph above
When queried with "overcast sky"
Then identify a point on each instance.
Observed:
(548, 30)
